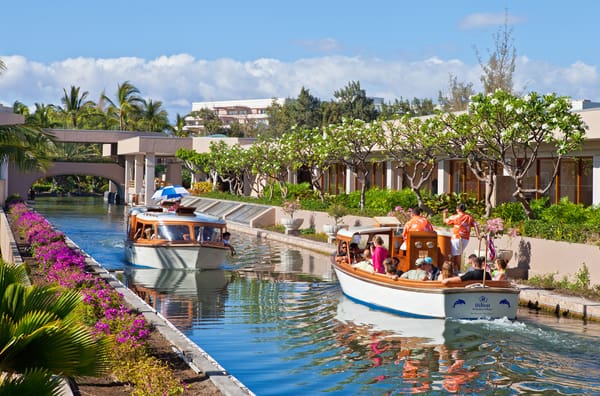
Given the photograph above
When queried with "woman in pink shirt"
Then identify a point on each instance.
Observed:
(379, 253)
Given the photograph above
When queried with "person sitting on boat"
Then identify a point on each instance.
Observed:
(355, 255)
(418, 273)
(432, 270)
(500, 272)
(416, 223)
(226, 236)
(342, 253)
(447, 270)
(461, 223)
(366, 264)
(390, 268)
(379, 253)
(475, 274)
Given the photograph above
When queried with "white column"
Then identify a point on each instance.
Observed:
(596, 180)
(443, 176)
(390, 177)
(349, 180)
(128, 177)
(139, 176)
(149, 177)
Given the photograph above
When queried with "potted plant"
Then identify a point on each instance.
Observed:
(337, 213)
(289, 208)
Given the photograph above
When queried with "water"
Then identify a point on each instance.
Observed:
(277, 320)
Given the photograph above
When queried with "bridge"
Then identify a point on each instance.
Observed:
(132, 170)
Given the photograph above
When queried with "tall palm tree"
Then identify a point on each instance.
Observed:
(153, 117)
(27, 147)
(127, 102)
(20, 108)
(74, 104)
(39, 337)
(43, 117)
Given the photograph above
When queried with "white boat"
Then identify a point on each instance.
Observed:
(426, 299)
(180, 239)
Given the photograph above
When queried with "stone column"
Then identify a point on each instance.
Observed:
(596, 180)
(149, 177)
(443, 176)
(390, 176)
(129, 166)
(349, 180)
(174, 174)
(138, 183)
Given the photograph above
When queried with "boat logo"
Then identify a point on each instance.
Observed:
(504, 302)
(483, 299)
(460, 301)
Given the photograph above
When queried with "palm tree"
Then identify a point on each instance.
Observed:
(43, 117)
(75, 104)
(28, 148)
(20, 108)
(177, 127)
(152, 117)
(127, 102)
(39, 337)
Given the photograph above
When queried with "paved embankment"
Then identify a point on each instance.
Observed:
(198, 359)
(530, 296)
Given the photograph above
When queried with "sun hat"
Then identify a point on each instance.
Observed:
(419, 262)
(428, 260)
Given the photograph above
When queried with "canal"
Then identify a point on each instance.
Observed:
(276, 319)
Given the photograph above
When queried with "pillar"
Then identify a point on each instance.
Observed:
(149, 165)
(443, 176)
(596, 180)
(138, 181)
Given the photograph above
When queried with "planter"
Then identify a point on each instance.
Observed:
(291, 225)
(331, 229)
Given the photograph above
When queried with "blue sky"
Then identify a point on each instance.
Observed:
(188, 51)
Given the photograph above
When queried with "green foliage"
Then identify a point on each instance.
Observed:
(200, 188)
(580, 285)
(565, 212)
(511, 213)
(437, 203)
(337, 212)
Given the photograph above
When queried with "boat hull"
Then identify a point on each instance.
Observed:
(427, 299)
(170, 256)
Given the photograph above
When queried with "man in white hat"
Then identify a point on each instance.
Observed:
(418, 273)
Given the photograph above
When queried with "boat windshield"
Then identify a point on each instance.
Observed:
(207, 233)
(174, 232)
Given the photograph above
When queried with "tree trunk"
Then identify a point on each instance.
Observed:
(525, 203)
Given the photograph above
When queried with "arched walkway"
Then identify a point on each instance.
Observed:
(20, 182)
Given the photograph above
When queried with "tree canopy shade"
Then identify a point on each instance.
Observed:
(509, 131)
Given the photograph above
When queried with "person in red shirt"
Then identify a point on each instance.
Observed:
(416, 223)
(461, 223)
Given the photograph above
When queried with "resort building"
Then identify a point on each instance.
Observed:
(251, 111)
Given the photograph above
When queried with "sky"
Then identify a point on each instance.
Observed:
(184, 51)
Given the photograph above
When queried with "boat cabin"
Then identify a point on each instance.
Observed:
(418, 244)
(158, 226)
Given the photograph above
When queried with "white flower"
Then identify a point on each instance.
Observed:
(495, 101)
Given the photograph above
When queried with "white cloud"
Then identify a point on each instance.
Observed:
(179, 80)
(484, 19)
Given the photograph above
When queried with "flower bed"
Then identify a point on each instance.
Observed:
(134, 346)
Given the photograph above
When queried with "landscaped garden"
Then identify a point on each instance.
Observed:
(73, 324)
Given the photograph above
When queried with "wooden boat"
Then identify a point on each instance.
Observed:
(464, 300)
(182, 239)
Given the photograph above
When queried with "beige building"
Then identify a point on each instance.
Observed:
(251, 111)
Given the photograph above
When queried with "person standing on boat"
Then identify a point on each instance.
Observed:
(416, 223)
(461, 223)
(379, 253)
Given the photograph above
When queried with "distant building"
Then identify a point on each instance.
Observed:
(251, 111)
(583, 104)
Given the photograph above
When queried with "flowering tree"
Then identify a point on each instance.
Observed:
(356, 140)
(415, 144)
(502, 130)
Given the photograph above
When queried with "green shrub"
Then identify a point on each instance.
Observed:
(437, 203)
(511, 213)
(565, 212)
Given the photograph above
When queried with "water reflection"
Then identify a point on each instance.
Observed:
(182, 296)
